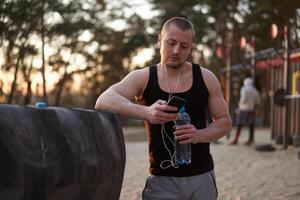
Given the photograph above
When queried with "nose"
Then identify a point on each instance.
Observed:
(176, 49)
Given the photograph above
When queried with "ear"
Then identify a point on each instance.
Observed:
(158, 40)
(159, 37)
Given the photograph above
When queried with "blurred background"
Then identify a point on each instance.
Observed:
(67, 52)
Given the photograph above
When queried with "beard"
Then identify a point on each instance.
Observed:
(175, 65)
(173, 61)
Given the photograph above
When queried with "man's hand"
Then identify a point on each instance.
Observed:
(186, 134)
(157, 112)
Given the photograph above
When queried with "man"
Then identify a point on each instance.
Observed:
(153, 87)
(248, 100)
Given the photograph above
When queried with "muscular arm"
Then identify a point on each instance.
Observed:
(118, 98)
(218, 110)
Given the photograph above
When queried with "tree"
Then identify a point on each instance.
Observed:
(112, 59)
(75, 22)
(17, 24)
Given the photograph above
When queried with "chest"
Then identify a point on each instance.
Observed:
(175, 84)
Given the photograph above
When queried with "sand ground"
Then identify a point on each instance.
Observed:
(242, 172)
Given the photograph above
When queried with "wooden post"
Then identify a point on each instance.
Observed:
(285, 86)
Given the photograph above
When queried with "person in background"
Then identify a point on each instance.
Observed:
(249, 98)
(153, 87)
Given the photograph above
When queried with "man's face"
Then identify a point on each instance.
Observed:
(175, 45)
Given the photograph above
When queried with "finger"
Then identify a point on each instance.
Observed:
(184, 127)
(161, 102)
(159, 106)
(167, 116)
(179, 133)
(183, 138)
(170, 108)
(183, 132)
(167, 109)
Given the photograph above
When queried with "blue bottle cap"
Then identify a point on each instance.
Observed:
(182, 109)
(40, 104)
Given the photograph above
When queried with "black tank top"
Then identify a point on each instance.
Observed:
(196, 107)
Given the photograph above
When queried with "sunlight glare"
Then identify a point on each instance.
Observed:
(143, 56)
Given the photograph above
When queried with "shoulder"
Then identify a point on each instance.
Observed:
(140, 72)
(210, 79)
(138, 75)
(133, 83)
(138, 78)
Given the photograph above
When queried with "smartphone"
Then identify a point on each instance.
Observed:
(177, 102)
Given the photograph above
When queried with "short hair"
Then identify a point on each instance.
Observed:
(181, 23)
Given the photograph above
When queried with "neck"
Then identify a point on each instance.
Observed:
(172, 71)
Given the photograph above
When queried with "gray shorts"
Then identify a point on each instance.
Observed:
(181, 188)
(246, 118)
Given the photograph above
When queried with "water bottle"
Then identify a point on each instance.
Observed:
(183, 153)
